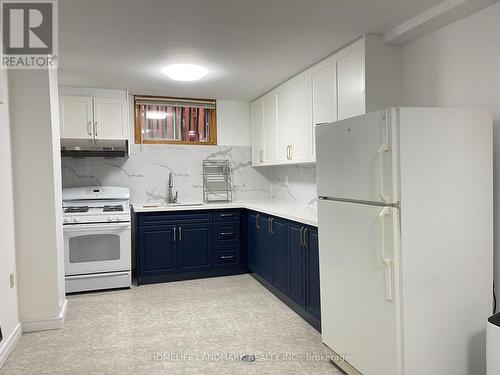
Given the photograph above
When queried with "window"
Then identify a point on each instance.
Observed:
(175, 120)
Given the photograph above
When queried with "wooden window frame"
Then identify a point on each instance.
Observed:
(138, 131)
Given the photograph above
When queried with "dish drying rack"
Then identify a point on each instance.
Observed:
(217, 186)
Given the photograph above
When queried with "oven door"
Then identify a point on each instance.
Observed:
(94, 248)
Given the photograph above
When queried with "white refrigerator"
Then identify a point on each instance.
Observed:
(406, 239)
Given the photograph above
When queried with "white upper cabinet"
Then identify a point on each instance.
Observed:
(257, 121)
(110, 118)
(324, 95)
(360, 78)
(324, 92)
(351, 82)
(284, 122)
(301, 150)
(270, 129)
(76, 117)
(91, 117)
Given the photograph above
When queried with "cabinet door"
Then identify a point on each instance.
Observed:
(257, 121)
(195, 243)
(279, 247)
(157, 250)
(313, 305)
(270, 133)
(351, 83)
(265, 249)
(324, 94)
(76, 117)
(296, 265)
(302, 127)
(253, 256)
(110, 118)
(284, 122)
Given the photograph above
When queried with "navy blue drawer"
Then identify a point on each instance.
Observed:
(229, 232)
(227, 215)
(228, 257)
(175, 217)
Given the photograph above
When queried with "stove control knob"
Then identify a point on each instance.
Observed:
(110, 218)
(76, 219)
(117, 218)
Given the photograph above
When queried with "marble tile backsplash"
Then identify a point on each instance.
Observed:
(145, 173)
(301, 186)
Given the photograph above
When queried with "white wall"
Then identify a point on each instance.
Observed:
(37, 199)
(459, 66)
(9, 316)
(233, 123)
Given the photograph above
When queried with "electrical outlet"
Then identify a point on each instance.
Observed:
(11, 280)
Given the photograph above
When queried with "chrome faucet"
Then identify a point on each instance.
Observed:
(171, 198)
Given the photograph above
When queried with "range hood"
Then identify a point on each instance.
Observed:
(99, 148)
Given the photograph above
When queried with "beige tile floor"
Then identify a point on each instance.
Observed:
(187, 327)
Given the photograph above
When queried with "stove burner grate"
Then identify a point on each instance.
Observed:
(113, 208)
(74, 210)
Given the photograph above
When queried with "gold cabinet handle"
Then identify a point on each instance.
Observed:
(89, 129)
(257, 221)
(270, 225)
(305, 237)
(302, 236)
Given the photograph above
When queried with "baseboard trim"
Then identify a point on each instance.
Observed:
(47, 324)
(10, 343)
(181, 276)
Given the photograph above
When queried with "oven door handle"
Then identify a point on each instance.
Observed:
(100, 227)
(93, 276)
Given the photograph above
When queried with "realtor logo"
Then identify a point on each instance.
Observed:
(29, 34)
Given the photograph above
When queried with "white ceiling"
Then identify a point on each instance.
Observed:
(250, 46)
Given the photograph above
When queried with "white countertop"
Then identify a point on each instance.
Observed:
(287, 210)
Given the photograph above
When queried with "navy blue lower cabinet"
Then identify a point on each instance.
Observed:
(228, 257)
(195, 246)
(297, 265)
(251, 238)
(278, 232)
(157, 250)
(313, 304)
(265, 245)
(257, 246)
(171, 246)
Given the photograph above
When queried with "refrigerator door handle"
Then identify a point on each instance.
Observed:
(383, 258)
(381, 185)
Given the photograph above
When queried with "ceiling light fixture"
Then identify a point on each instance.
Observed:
(185, 72)
(156, 115)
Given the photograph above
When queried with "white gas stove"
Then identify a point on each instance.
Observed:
(96, 205)
(97, 238)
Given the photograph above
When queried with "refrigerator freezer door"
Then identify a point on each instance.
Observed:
(359, 267)
(355, 158)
